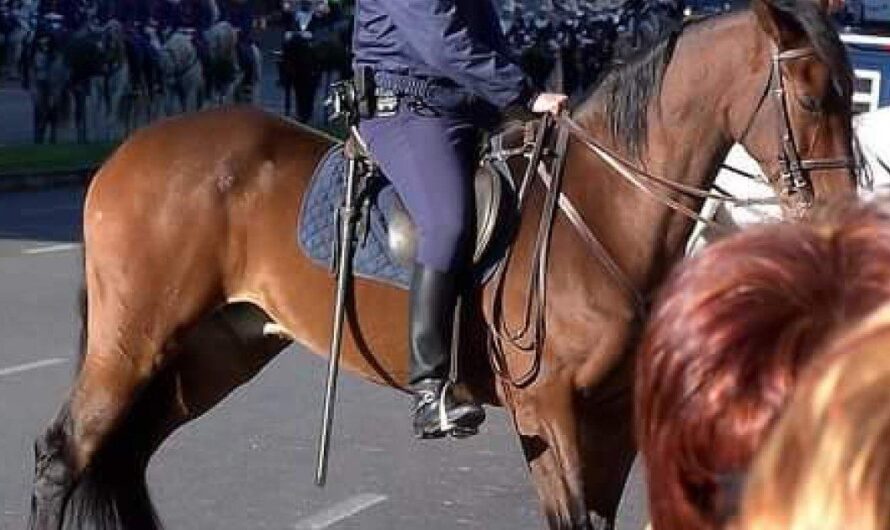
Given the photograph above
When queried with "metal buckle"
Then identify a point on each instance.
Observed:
(386, 103)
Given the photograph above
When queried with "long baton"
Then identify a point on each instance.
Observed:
(347, 218)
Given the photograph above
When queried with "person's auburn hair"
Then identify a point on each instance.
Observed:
(727, 338)
(826, 465)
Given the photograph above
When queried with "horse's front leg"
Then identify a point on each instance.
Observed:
(605, 432)
(546, 420)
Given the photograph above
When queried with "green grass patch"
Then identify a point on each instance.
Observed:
(59, 157)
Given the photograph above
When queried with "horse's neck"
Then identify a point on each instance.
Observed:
(686, 141)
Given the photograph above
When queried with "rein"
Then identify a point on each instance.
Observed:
(530, 335)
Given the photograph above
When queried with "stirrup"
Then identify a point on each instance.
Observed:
(446, 425)
(443, 422)
(427, 398)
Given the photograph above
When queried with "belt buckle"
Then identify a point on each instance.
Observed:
(386, 103)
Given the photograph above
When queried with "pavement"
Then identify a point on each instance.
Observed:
(248, 464)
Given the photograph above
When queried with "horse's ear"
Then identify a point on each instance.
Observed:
(774, 17)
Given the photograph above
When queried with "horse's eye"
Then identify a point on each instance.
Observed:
(810, 104)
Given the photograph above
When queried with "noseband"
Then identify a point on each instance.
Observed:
(794, 177)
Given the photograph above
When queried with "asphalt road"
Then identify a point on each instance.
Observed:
(249, 463)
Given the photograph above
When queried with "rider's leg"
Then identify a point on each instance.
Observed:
(429, 159)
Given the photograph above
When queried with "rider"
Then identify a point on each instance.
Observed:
(194, 15)
(135, 15)
(445, 67)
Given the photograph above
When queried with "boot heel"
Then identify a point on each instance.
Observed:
(463, 432)
(428, 434)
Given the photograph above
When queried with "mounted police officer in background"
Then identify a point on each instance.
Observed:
(135, 16)
(312, 31)
(439, 70)
(193, 17)
(239, 13)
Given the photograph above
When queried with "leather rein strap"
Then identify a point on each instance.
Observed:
(529, 337)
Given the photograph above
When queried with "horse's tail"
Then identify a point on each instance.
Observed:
(112, 493)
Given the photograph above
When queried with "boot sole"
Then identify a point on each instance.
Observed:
(463, 428)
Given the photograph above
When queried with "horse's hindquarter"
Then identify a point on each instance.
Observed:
(202, 210)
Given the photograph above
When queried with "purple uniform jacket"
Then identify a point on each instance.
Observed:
(460, 40)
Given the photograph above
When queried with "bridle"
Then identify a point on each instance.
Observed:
(795, 185)
(796, 190)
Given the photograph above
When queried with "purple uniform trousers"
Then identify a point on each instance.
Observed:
(430, 160)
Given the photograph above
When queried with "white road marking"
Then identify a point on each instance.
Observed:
(65, 247)
(31, 366)
(339, 511)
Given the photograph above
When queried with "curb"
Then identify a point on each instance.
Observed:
(31, 181)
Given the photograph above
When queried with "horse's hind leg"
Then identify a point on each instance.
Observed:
(129, 333)
(223, 352)
(112, 374)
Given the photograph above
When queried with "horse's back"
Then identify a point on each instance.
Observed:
(222, 147)
(207, 176)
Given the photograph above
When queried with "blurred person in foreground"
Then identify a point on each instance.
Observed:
(727, 340)
(826, 466)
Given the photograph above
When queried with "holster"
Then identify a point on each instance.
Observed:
(375, 101)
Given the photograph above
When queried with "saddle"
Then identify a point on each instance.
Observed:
(387, 236)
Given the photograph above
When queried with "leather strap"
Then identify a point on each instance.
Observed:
(594, 245)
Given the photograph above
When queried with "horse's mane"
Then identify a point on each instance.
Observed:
(626, 92)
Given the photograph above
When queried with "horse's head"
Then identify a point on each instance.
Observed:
(794, 117)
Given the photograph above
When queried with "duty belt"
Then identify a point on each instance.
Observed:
(404, 85)
(387, 90)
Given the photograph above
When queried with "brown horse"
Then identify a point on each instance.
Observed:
(189, 251)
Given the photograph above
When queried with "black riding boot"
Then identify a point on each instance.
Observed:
(436, 412)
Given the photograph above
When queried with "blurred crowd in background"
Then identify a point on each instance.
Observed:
(140, 59)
